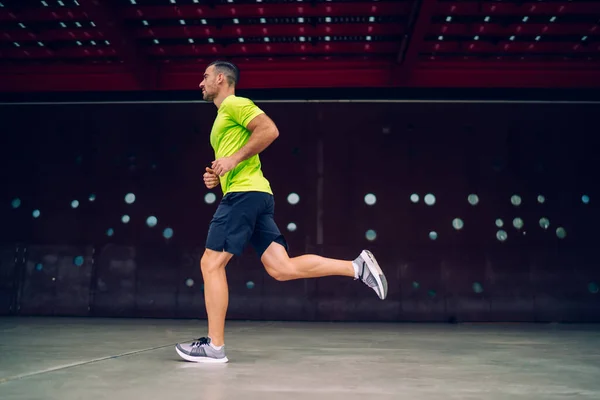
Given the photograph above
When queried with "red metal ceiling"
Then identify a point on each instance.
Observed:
(64, 45)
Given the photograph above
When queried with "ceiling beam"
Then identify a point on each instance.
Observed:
(106, 17)
(408, 56)
(438, 74)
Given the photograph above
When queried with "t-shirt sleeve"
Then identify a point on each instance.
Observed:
(243, 110)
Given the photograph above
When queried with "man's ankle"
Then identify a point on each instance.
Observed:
(217, 343)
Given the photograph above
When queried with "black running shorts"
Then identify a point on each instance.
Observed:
(244, 217)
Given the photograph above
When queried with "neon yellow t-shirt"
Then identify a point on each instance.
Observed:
(229, 133)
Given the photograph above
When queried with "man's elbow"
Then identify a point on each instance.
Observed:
(271, 130)
(274, 132)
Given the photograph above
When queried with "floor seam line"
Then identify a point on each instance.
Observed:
(77, 364)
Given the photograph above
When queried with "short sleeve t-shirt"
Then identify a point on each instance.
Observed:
(230, 133)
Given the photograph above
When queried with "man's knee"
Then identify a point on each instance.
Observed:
(277, 263)
(279, 274)
(212, 261)
(280, 271)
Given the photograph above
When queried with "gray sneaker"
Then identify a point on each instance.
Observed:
(201, 351)
(371, 274)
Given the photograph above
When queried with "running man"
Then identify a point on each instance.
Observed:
(240, 132)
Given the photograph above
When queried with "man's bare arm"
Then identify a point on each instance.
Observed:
(263, 132)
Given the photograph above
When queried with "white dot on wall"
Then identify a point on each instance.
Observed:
(168, 233)
(74, 204)
(501, 235)
(210, 198)
(370, 199)
(129, 198)
(92, 197)
(125, 219)
(16, 203)
(458, 223)
(516, 200)
(518, 223)
(561, 232)
(414, 198)
(429, 199)
(151, 221)
(544, 223)
(499, 223)
(110, 232)
(293, 198)
(541, 199)
(371, 235)
(473, 199)
(36, 213)
(292, 227)
(433, 235)
(189, 282)
(585, 199)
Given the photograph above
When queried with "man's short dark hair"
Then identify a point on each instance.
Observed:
(229, 69)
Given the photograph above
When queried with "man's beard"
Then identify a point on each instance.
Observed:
(208, 97)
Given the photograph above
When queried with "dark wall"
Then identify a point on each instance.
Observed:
(331, 155)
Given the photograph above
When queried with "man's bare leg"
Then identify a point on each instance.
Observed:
(216, 292)
(283, 268)
(216, 298)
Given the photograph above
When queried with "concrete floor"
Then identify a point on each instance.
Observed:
(65, 358)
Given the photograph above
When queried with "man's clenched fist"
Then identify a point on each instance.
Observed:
(223, 165)
(211, 180)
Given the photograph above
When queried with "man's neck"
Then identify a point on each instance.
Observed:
(222, 96)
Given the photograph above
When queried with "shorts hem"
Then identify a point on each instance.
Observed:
(280, 239)
(225, 249)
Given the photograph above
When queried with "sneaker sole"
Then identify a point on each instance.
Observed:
(205, 360)
(376, 271)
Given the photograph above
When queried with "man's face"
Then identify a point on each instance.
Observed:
(209, 84)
